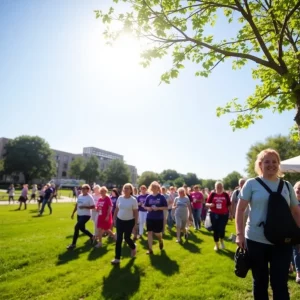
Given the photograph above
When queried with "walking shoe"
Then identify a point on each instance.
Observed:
(115, 261)
(149, 252)
(99, 245)
(222, 245)
(71, 247)
(133, 252)
(161, 245)
(216, 248)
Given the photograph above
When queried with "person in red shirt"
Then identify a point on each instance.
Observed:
(220, 209)
(105, 220)
(197, 203)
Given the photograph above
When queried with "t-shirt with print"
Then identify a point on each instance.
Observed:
(86, 200)
(158, 201)
(102, 207)
(126, 207)
(141, 202)
(258, 198)
(221, 202)
(199, 197)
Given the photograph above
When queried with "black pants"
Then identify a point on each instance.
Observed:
(219, 223)
(80, 225)
(279, 258)
(124, 228)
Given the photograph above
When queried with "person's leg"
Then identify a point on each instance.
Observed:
(196, 225)
(76, 231)
(158, 228)
(141, 223)
(84, 220)
(296, 256)
(99, 236)
(127, 233)
(178, 227)
(120, 232)
(43, 206)
(25, 204)
(223, 219)
(150, 240)
(49, 206)
(215, 226)
(279, 271)
(169, 219)
(199, 217)
(259, 258)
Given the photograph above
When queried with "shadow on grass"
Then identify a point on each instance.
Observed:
(97, 252)
(190, 247)
(33, 211)
(206, 232)
(230, 254)
(69, 255)
(164, 264)
(122, 283)
(194, 238)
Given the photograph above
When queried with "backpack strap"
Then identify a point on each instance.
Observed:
(264, 185)
(287, 185)
(280, 186)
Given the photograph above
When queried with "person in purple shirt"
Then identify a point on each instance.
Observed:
(141, 199)
(155, 204)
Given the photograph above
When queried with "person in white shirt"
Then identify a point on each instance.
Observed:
(11, 193)
(85, 203)
(126, 216)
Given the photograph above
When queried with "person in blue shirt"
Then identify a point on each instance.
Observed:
(47, 199)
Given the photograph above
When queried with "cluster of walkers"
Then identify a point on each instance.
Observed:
(157, 209)
(43, 195)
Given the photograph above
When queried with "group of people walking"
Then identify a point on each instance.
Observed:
(158, 208)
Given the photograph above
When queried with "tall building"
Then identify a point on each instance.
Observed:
(63, 160)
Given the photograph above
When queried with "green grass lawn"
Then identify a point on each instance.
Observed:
(34, 264)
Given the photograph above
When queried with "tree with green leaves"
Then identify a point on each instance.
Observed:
(76, 167)
(31, 156)
(208, 183)
(231, 181)
(191, 179)
(91, 172)
(285, 146)
(179, 182)
(264, 32)
(117, 173)
(169, 175)
(147, 177)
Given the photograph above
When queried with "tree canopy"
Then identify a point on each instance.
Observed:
(286, 147)
(76, 167)
(169, 175)
(232, 180)
(117, 173)
(264, 32)
(91, 172)
(147, 177)
(31, 156)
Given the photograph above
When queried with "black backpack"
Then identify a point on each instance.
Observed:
(280, 227)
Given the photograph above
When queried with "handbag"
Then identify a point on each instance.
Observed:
(242, 262)
(207, 223)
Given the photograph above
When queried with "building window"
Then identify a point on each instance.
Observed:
(57, 157)
(66, 158)
(64, 174)
(65, 166)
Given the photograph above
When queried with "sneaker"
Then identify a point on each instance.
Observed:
(216, 248)
(133, 252)
(298, 279)
(99, 245)
(115, 261)
(71, 247)
(161, 245)
(222, 245)
(149, 252)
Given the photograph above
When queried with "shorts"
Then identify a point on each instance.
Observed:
(33, 196)
(155, 225)
(40, 200)
(22, 199)
(165, 214)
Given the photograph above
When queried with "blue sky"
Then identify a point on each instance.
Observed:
(60, 81)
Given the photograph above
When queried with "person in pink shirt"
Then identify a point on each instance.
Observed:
(197, 204)
(105, 220)
(23, 198)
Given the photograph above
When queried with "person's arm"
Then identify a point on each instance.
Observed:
(136, 216)
(174, 203)
(74, 211)
(209, 203)
(296, 214)
(239, 222)
(116, 213)
(108, 213)
(190, 211)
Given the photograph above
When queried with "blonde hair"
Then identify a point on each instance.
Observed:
(97, 187)
(182, 189)
(128, 185)
(104, 188)
(154, 184)
(261, 156)
(219, 182)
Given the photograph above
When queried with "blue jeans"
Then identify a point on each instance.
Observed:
(46, 201)
(279, 257)
(80, 225)
(296, 256)
(197, 217)
(170, 220)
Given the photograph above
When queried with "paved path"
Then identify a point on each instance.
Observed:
(62, 199)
